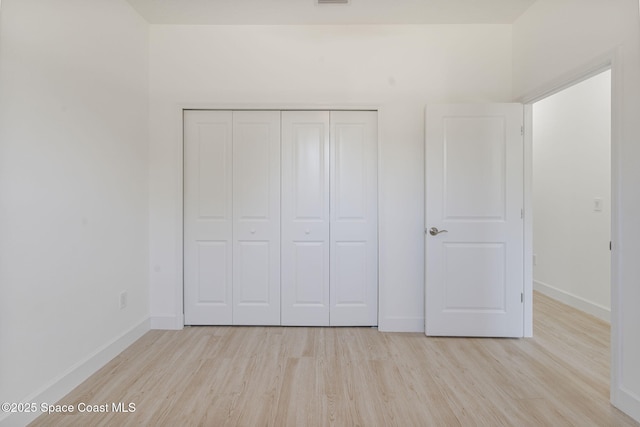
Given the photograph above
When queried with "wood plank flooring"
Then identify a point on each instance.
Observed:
(275, 376)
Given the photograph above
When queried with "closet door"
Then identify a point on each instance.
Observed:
(354, 219)
(305, 218)
(256, 218)
(207, 217)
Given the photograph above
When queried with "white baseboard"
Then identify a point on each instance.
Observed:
(78, 373)
(574, 301)
(627, 402)
(171, 323)
(401, 324)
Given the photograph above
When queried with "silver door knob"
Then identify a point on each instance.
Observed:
(434, 231)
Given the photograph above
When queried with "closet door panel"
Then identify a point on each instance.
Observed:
(207, 217)
(253, 272)
(354, 219)
(350, 273)
(305, 218)
(256, 217)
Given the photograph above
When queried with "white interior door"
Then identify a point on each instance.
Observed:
(354, 218)
(207, 217)
(256, 217)
(474, 191)
(305, 218)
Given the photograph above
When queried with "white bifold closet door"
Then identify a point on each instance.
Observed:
(208, 218)
(329, 218)
(256, 217)
(232, 217)
(354, 218)
(280, 229)
(305, 218)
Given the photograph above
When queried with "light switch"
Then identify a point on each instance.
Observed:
(597, 204)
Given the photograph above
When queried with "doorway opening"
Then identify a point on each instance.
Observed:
(571, 196)
(608, 63)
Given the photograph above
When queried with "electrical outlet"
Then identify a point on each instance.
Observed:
(122, 300)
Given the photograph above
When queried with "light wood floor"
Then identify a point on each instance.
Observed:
(273, 376)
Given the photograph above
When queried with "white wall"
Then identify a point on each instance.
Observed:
(396, 68)
(551, 41)
(73, 190)
(572, 168)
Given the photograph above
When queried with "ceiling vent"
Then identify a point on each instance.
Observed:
(333, 1)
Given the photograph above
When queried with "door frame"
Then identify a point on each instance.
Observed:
(180, 161)
(607, 61)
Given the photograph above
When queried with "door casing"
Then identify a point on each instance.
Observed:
(609, 60)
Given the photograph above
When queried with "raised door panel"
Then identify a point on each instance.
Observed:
(474, 168)
(207, 217)
(256, 217)
(305, 218)
(354, 219)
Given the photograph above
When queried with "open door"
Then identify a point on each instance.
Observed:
(474, 228)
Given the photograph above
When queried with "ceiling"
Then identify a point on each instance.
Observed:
(305, 12)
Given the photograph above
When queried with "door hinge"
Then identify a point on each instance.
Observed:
(610, 245)
(521, 213)
(522, 130)
(522, 297)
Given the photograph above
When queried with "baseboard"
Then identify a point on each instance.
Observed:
(627, 402)
(62, 385)
(171, 323)
(574, 301)
(401, 324)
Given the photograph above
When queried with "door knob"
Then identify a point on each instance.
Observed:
(434, 231)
